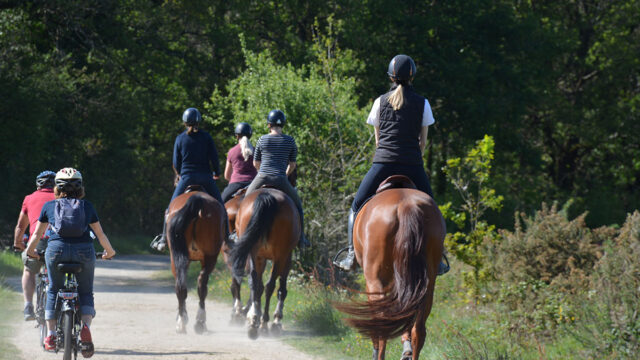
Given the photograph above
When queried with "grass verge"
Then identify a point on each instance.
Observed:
(455, 329)
(10, 265)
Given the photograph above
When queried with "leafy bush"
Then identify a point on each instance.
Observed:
(541, 265)
(612, 315)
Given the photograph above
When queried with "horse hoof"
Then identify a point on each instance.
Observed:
(199, 328)
(181, 331)
(253, 333)
(276, 329)
(264, 329)
(237, 319)
(407, 356)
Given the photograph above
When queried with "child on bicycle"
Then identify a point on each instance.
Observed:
(70, 241)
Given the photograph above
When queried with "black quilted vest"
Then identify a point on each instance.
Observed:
(399, 140)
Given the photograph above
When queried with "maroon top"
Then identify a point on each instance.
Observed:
(243, 171)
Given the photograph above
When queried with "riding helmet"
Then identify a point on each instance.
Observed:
(191, 117)
(402, 68)
(276, 117)
(68, 179)
(45, 179)
(244, 129)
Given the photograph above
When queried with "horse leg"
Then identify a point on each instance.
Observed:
(208, 263)
(376, 350)
(407, 347)
(257, 287)
(236, 313)
(419, 331)
(271, 284)
(181, 294)
(276, 327)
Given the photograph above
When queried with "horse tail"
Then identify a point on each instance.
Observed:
(395, 311)
(265, 208)
(179, 224)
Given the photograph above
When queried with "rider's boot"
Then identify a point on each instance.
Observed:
(443, 267)
(348, 263)
(159, 243)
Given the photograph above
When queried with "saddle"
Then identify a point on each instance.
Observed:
(396, 182)
(192, 188)
(240, 192)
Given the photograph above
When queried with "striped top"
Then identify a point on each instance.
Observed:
(274, 153)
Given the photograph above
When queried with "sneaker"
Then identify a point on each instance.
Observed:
(86, 345)
(28, 313)
(50, 343)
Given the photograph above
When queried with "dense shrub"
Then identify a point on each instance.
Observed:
(611, 316)
(540, 266)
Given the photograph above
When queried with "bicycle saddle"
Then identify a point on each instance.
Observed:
(69, 268)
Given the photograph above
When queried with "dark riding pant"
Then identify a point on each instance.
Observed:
(380, 171)
(203, 179)
(232, 188)
(279, 182)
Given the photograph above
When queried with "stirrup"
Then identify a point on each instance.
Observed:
(443, 267)
(158, 243)
(340, 265)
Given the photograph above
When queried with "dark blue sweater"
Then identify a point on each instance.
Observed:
(193, 153)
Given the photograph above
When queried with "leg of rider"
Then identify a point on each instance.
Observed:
(282, 183)
(85, 254)
(160, 242)
(256, 183)
(376, 174)
(231, 189)
(56, 252)
(31, 268)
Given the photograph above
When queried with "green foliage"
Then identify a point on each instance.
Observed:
(324, 119)
(10, 263)
(541, 266)
(611, 320)
(470, 177)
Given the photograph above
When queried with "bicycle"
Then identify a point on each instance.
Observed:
(68, 319)
(42, 285)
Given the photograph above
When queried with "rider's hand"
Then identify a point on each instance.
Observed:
(216, 177)
(19, 246)
(32, 253)
(176, 179)
(108, 253)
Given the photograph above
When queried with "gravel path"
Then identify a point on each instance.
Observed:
(136, 320)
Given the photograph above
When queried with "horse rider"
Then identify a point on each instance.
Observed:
(70, 241)
(194, 153)
(275, 158)
(401, 120)
(31, 207)
(239, 170)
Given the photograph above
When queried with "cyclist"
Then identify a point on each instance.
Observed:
(194, 152)
(275, 158)
(69, 191)
(401, 119)
(31, 207)
(239, 170)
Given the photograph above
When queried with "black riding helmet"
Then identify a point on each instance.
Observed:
(244, 129)
(191, 117)
(46, 179)
(402, 68)
(276, 117)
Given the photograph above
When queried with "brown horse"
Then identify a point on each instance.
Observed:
(268, 228)
(195, 232)
(398, 239)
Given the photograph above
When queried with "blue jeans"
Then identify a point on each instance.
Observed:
(381, 171)
(203, 179)
(60, 252)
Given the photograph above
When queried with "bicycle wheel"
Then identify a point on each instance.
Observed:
(67, 331)
(41, 299)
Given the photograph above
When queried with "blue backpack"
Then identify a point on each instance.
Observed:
(70, 220)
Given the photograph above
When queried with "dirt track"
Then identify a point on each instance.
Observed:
(136, 320)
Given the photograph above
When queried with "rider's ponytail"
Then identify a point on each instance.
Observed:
(246, 147)
(397, 98)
